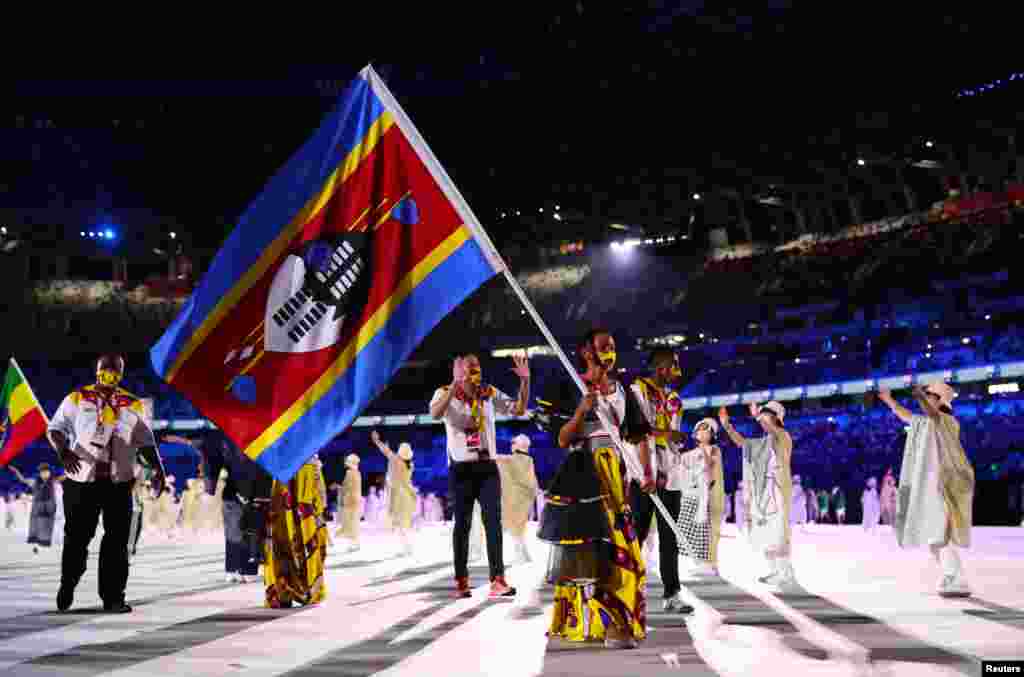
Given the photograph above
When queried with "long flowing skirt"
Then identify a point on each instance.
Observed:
(585, 609)
(296, 542)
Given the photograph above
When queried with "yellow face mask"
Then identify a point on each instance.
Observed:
(608, 359)
(108, 377)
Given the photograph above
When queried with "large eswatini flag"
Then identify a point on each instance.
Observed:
(22, 419)
(352, 254)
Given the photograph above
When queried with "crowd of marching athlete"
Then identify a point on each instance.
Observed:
(630, 476)
(628, 463)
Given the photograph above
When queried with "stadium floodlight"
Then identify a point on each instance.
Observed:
(557, 208)
(988, 317)
(696, 196)
(860, 162)
(92, 234)
(928, 144)
(966, 340)
(82, 233)
(109, 234)
(173, 235)
(558, 217)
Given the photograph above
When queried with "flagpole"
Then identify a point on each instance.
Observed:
(627, 454)
(498, 263)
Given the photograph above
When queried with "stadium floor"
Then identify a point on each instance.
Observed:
(867, 609)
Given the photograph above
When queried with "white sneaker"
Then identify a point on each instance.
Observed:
(954, 586)
(675, 604)
(231, 577)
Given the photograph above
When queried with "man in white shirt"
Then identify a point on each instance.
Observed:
(98, 432)
(664, 410)
(468, 408)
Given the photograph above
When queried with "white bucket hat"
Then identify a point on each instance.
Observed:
(775, 408)
(405, 451)
(944, 391)
(521, 443)
(709, 422)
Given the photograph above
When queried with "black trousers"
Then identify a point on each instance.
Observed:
(240, 557)
(469, 482)
(668, 549)
(84, 502)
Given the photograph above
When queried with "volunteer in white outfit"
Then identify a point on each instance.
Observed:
(702, 481)
(871, 508)
(768, 477)
(936, 484)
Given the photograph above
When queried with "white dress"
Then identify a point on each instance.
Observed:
(871, 508)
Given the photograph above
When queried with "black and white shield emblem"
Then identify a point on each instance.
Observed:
(315, 291)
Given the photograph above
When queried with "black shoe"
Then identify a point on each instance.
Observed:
(65, 598)
(117, 608)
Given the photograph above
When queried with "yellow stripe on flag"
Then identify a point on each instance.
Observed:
(22, 402)
(346, 169)
(366, 334)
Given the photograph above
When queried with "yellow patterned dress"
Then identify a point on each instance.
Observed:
(596, 563)
(296, 541)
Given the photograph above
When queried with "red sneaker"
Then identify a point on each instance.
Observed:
(462, 590)
(501, 590)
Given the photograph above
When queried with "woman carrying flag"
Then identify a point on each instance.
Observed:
(595, 563)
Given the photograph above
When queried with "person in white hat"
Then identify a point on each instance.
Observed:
(349, 501)
(519, 488)
(871, 508)
(768, 476)
(936, 484)
(402, 494)
(702, 480)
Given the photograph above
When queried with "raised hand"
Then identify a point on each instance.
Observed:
(375, 437)
(458, 370)
(754, 409)
(723, 416)
(522, 366)
(885, 395)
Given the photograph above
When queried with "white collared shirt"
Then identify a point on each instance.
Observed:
(463, 438)
(97, 438)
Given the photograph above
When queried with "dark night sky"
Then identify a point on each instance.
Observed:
(598, 106)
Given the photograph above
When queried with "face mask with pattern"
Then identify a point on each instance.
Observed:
(108, 377)
(607, 359)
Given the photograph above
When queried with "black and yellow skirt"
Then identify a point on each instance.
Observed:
(595, 564)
